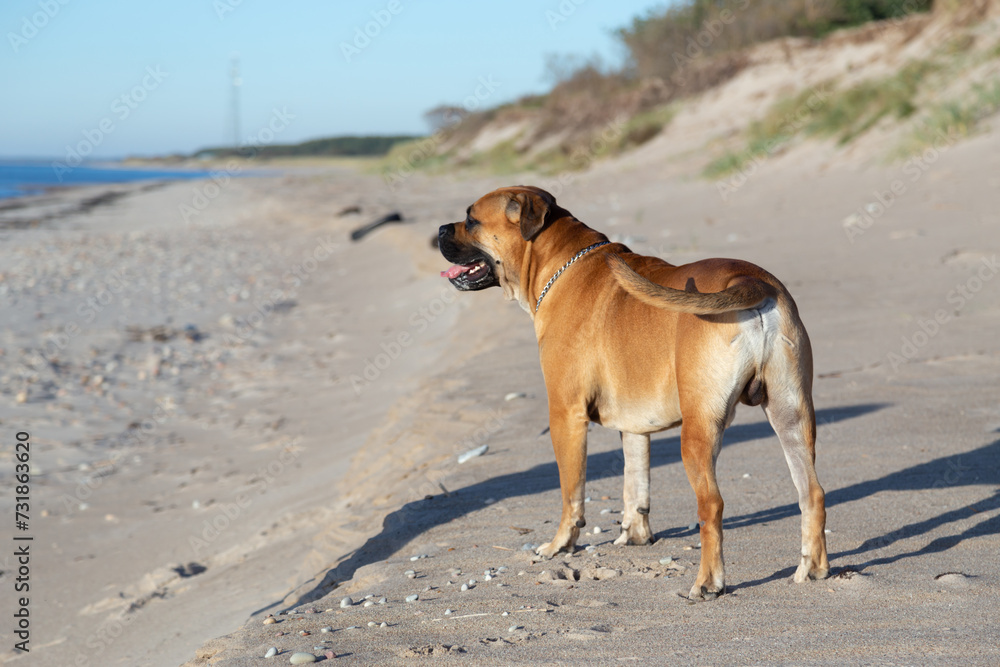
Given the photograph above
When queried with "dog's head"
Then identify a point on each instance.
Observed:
(488, 246)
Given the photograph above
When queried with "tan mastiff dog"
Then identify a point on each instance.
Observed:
(639, 345)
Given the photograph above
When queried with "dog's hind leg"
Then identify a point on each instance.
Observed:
(635, 521)
(789, 408)
(568, 428)
(701, 437)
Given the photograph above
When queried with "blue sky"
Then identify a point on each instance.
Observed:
(141, 78)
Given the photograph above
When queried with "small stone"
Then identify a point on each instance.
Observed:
(514, 628)
(383, 624)
(693, 526)
(587, 499)
(346, 602)
(410, 573)
(372, 624)
(666, 561)
(605, 497)
(270, 620)
(472, 582)
(428, 588)
(514, 395)
(301, 658)
(303, 633)
(746, 475)
(271, 652)
(413, 598)
(369, 603)
(487, 578)
(328, 629)
(473, 453)
(465, 587)
(351, 627)
(448, 612)
(329, 655)
(502, 568)
(382, 600)
(597, 530)
(506, 613)
(606, 511)
(521, 573)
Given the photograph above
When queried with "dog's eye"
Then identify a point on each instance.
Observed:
(470, 223)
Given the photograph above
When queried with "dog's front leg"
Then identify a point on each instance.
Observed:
(635, 521)
(569, 440)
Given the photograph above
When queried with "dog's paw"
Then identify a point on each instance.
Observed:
(702, 593)
(548, 550)
(807, 571)
(637, 532)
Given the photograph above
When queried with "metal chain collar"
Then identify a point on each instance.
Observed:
(558, 273)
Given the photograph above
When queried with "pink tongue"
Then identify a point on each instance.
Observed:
(455, 271)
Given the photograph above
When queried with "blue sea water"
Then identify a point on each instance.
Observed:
(25, 177)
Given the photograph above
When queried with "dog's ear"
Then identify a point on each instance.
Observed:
(529, 211)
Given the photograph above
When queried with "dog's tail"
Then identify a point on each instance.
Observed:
(745, 295)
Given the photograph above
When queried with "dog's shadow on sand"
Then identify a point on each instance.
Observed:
(980, 467)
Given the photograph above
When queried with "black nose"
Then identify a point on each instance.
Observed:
(444, 230)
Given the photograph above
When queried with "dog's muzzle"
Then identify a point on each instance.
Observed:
(473, 269)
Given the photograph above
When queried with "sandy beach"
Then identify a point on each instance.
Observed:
(244, 414)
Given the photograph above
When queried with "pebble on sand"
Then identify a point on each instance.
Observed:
(382, 600)
(413, 598)
(327, 629)
(346, 602)
(514, 395)
(271, 652)
(369, 603)
(473, 453)
(448, 612)
(301, 658)
(465, 587)
(383, 624)
(269, 620)
(372, 624)
(597, 530)
(513, 628)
